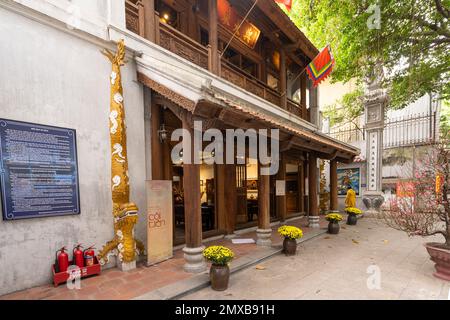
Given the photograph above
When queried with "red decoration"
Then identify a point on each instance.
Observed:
(321, 66)
(61, 277)
(287, 3)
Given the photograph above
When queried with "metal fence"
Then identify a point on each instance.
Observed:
(348, 135)
(403, 131)
(410, 130)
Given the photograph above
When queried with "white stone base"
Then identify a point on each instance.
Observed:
(263, 237)
(313, 222)
(126, 266)
(195, 262)
(371, 214)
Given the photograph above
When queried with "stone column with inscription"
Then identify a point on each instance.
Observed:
(375, 102)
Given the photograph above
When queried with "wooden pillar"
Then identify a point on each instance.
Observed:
(312, 186)
(167, 161)
(150, 21)
(148, 132)
(303, 95)
(333, 186)
(220, 175)
(313, 104)
(281, 200)
(264, 231)
(263, 64)
(192, 210)
(305, 186)
(283, 79)
(213, 38)
(301, 188)
(226, 197)
(230, 198)
(192, 21)
(157, 150)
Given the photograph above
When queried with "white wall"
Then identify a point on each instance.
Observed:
(54, 78)
(330, 93)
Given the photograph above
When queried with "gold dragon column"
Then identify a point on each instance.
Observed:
(123, 245)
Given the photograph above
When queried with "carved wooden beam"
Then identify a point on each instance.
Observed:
(287, 145)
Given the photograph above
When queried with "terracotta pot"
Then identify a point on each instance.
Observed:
(352, 219)
(441, 257)
(219, 276)
(333, 227)
(289, 246)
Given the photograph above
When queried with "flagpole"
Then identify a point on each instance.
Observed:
(237, 29)
(328, 45)
(296, 79)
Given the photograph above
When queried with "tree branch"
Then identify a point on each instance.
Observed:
(429, 234)
(432, 26)
(440, 8)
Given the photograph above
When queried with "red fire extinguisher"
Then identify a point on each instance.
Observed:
(62, 260)
(78, 257)
(89, 256)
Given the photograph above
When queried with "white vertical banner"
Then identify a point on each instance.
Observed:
(159, 221)
(372, 161)
(280, 187)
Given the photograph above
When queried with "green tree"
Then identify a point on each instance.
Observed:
(445, 118)
(411, 42)
(347, 109)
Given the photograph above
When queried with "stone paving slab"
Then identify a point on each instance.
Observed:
(162, 281)
(340, 267)
(200, 281)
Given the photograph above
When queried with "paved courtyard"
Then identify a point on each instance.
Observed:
(117, 285)
(342, 267)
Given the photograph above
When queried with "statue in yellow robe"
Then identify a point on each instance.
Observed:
(350, 199)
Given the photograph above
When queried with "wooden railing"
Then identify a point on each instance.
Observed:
(246, 81)
(182, 45)
(295, 108)
(134, 16)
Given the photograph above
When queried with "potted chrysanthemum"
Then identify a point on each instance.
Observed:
(333, 225)
(219, 272)
(352, 218)
(290, 234)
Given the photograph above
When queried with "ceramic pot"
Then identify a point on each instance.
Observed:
(289, 246)
(441, 257)
(219, 276)
(333, 227)
(352, 219)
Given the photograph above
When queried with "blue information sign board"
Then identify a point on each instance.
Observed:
(38, 171)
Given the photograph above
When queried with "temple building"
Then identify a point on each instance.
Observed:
(230, 64)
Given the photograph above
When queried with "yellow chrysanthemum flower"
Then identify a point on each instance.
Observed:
(290, 232)
(353, 210)
(333, 217)
(219, 255)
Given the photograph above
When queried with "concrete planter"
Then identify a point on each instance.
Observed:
(441, 257)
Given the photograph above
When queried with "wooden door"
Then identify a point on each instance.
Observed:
(292, 193)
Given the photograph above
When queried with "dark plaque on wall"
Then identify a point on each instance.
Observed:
(38, 171)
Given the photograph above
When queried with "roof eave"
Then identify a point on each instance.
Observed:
(285, 24)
